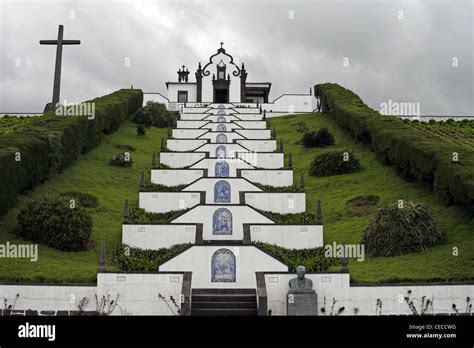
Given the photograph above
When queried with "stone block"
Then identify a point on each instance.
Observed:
(302, 303)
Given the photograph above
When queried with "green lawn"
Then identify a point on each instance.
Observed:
(90, 174)
(111, 185)
(436, 264)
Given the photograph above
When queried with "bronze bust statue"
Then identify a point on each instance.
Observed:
(300, 282)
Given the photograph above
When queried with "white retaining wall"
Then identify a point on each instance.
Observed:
(157, 236)
(240, 214)
(236, 186)
(266, 160)
(190, 124)
(230, 126)
(48, 297)
(255, 133)
(184, 144)
(180, 159)
(163, 202)
(175, 177)
(277, 178)
(231, 149)
(210, 165)
(290, 103)
(188, 133)
(259, 145)
(336, 285)
(138, 293)
(248, 261)
(277, 202)
(288, 236)
(252, 124)
(213, 135)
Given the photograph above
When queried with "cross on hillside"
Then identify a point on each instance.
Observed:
(57, 69)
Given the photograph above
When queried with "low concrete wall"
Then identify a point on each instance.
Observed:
(210, 165)
(163, 202)
(208, 185)
(180, 159)
(241, 214)
(259, 145)
(265, 160)
(364, 298)
(175, 177)
(277, 202)
(248, 261)
(255, 133)
(184, 144)
(288, 236)
(138, 292)
(276, 178)
(157, 236)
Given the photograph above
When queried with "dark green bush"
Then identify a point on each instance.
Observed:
(122, 159)
(139, 260)
(313, 259)
(43, 146)
(155, 114)
(334, 163)
(398, 230)
(84, 200)
(53, 222)
(141, 130)
(415, 154)
(318, 138)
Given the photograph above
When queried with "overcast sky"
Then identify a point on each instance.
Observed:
(398, 50)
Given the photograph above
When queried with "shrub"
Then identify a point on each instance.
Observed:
(122, 159)
(53, 222)
(141, 130)
(43, 146)
(415, 154)
(140, 260)
(151, 187)
(269, 188)
(313, 259)
(395, 230)
(319, 138)
(290, 219)
(334, 163)
(84, 200)
(155, 114)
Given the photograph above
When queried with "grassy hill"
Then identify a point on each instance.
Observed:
(90, 174)
(436, 264)
(111, 185)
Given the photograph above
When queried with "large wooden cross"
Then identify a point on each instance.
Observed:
(57, 69)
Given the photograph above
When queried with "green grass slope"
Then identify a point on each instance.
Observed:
(90, 174)
(436, 264)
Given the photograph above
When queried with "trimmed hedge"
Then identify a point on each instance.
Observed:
(50, 143)
(415, 154)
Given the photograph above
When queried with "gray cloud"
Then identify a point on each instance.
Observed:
(407, 59)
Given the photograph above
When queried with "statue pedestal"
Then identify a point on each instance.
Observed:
(302, 302)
